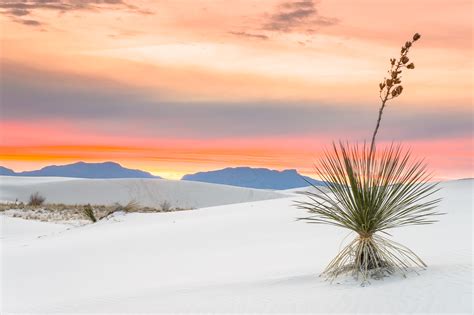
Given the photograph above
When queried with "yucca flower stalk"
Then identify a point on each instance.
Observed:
(370, 192)
(391, 87)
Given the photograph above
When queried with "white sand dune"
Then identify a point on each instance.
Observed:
(20, 229)
(300, 190)
(247, 257)
(148, 192)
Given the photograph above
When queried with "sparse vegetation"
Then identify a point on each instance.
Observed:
(370, 192)
(89, 213)
(132, 206)
(58, 212)
(36, 199)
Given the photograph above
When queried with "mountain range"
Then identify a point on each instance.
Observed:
(261, 178)
(83, 170)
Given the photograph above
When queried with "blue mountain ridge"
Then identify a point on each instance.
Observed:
(83, 170)
(6, 171)
(261, 178)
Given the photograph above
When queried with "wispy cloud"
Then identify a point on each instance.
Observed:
(297, 15)
(19, 12)
(30, 22)
(17, 9)
(292, 16)
(250, 35)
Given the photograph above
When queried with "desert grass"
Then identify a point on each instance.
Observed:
(74, 214)
(131, 206)
(36, 199)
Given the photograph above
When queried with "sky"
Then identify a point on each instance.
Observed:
(177, 87)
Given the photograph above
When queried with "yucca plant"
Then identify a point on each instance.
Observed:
(88, 211)
(370, 192)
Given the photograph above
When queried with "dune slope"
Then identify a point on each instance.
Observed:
(148, 192)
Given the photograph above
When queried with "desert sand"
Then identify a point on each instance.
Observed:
(251, 256)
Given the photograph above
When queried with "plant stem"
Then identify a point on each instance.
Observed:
(378, 124)
(384, 101)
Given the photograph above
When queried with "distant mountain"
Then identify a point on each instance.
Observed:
(84, 170)
(262, 178)
(6, 171)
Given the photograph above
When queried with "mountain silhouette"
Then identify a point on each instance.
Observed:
(261, 178)
(6, 171)
(83, 170)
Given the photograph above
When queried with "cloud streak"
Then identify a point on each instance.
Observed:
(250, 35)
(300, 16)
(30, 22)
(17, 9)
(297, 15)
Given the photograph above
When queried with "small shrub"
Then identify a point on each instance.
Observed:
(89, 213)
(131, 206)
(165, 206)
(36, 199)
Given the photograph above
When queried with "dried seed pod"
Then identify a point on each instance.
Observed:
(381, 85)
(416, 37)
(399, 89)
(411, 66)
(389, 82)
(408, 44)
(394, 93)
(405, 59)
(392, 61)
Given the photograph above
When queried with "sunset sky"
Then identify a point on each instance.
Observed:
(176, 87)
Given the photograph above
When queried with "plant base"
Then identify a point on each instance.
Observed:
(372, 256)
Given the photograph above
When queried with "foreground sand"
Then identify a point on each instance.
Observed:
(247, 257)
